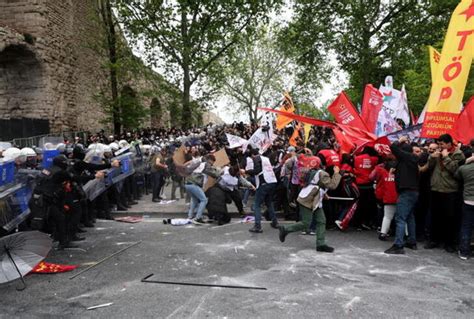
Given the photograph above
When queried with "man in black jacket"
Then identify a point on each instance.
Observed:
(407, 182)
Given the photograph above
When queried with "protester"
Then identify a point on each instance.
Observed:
(407, 181)
(310, 200)
(201, 169)
(465, 175)
(445, 195)
(265, 181)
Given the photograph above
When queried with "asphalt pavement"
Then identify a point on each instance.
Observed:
(357, 281)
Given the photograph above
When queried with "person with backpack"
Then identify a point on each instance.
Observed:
(310, 201)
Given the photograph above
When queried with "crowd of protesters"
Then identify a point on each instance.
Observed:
(420, 191)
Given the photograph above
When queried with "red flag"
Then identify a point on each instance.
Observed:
(355, 135)
(414, 119)
(300, 118)
(49, 268)
(463, 129)
(345, 113)
(358, 136)
(345, 143)
(371, 106)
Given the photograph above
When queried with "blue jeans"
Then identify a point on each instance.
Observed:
(404, 217)
(264, 194)
(248, 191)
(466, 229)
(198, 199)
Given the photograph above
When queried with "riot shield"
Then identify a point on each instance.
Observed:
(113, 176)
(50, 145)
(14, 198)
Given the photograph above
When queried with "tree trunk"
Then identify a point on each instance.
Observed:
(106, 9)
(186, 115)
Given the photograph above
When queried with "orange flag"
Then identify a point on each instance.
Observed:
(287, 106)
(296, 135)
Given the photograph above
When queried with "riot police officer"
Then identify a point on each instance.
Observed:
(47, 204)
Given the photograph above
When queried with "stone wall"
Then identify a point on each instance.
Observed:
(49, 70)
(54, 76)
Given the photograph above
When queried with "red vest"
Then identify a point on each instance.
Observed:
(331, 157)
(389, 189)
(363, 166)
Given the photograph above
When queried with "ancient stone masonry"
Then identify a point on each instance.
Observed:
(49, 73)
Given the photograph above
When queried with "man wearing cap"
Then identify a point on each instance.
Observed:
(310, 200)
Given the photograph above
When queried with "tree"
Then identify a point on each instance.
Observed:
(253, 75)
(417, 80)
(190, 35)
(371, 38)
(122, 68)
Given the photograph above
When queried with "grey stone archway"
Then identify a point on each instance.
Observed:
(21, 88)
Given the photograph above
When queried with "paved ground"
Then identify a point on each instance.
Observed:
(358, 281)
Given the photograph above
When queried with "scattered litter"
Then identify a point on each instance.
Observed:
(198, 263)
(100, 306)
(235, 248)
(348, 306)
(100, 228)
(248, 219)
(129, 219)
(177, 221)
(166, 202)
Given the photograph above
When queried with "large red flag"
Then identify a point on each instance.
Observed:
(371, 106)
(345, 113)
(464, 127)
(356, 135)
(345, 143)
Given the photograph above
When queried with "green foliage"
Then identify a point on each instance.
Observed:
(308, 109)
(371, 39)
(188, 36)
(253, 75)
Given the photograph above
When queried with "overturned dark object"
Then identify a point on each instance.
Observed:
(146, 280)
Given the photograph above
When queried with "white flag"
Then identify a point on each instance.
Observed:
(391, 98)
(403, 113)
(386, 124)
(236, 141)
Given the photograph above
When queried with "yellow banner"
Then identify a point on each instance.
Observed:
(450, 81)
(435, 57)
(307, 129)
